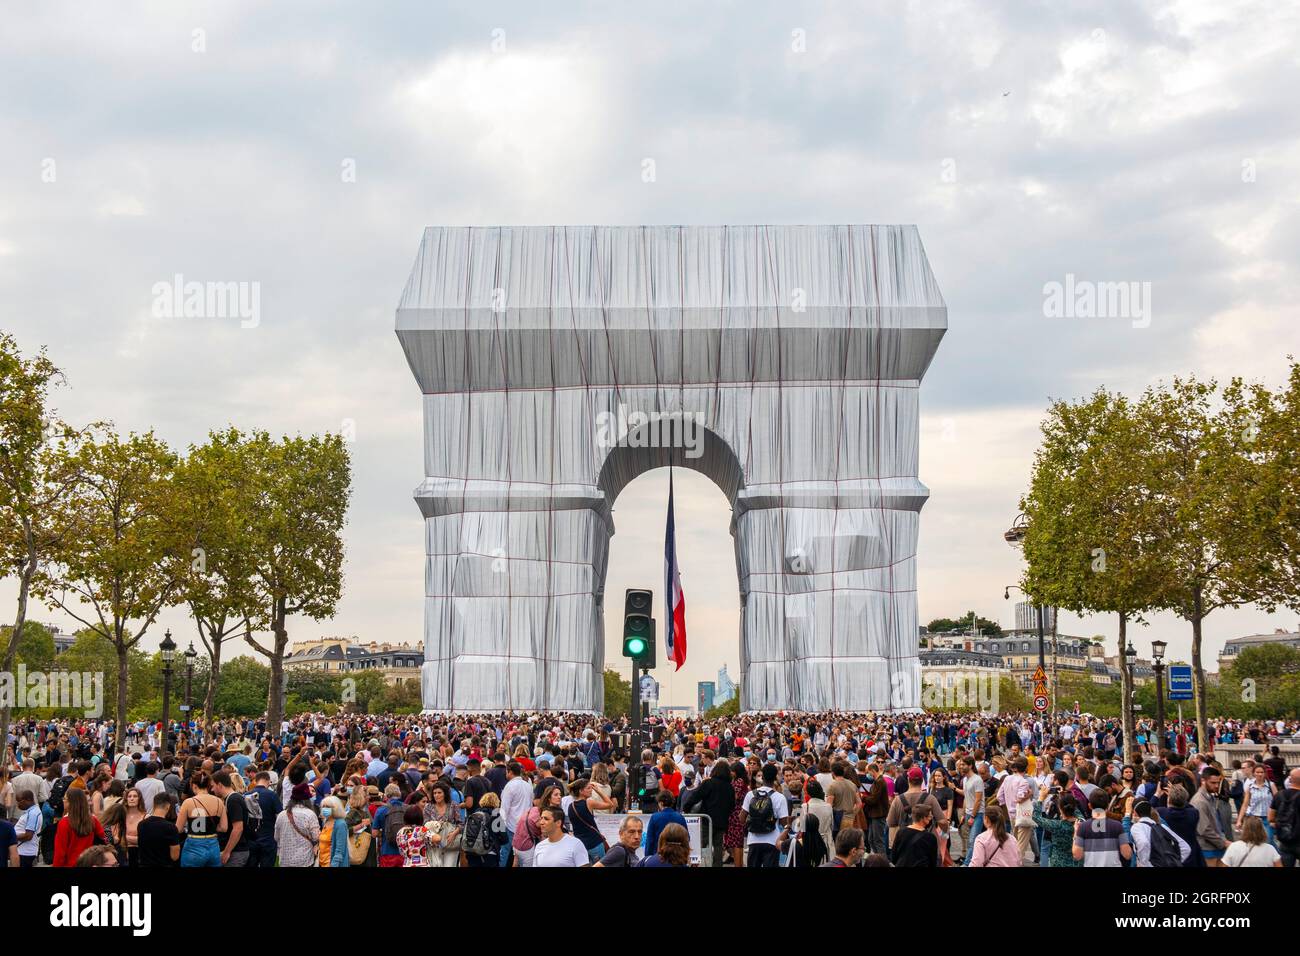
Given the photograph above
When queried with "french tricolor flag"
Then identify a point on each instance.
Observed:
(676, 632)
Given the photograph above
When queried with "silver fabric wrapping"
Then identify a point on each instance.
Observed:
(798, 349)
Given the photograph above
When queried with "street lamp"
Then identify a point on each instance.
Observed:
(190, 654)
(1038, 608)
(1128, 688)
(168, 651)
(1015, 536)
(1158, 665)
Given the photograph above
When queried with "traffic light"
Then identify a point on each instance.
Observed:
(639, 628)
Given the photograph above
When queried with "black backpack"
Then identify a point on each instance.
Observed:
(252, 813)
(393, 824)
(56, 794)
(1164, 848)
(762, 813)
(481, 838)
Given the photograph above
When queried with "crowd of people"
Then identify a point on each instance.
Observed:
(570, 790)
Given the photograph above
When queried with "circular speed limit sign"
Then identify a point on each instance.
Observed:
(1040, 702)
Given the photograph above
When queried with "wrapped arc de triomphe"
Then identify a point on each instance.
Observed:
(798, 350)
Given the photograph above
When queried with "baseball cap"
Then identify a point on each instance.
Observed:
(915, 774)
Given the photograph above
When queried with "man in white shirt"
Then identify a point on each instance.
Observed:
(150, 786)
(28, 828)
(122, 766)
(1144, 820)
(762, 844)
(29, 779)
(516, 800)
(557, 848)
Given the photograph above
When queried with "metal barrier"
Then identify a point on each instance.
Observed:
(698, 827)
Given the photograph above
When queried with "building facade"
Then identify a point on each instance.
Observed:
(1019, 651)
(397, 663)
(1236, 645)
(726, 688)
(961, 679)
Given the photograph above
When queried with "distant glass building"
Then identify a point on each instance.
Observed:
(1027, 617)
(726, 688)
(704, 696)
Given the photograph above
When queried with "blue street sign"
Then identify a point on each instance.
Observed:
(1180, 682)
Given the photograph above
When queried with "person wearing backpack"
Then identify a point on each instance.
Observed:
(58, 791)
(900, 811)
(1154, 844)
(241, 826)
(1285, 817)
(484, 833)
(171, 780)
(388, 822)
(527, 833)
(269, 809)
(764, 815)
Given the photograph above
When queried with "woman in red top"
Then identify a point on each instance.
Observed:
(525, 761)
(77, 831)
(670, 778)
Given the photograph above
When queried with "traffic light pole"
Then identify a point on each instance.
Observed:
(634, 751)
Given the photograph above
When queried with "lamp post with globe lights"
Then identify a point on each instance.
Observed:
(1158, 665)
(168, 651)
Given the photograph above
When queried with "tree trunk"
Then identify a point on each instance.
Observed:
(275, 692)
(123, 671)
(1198, 673)
(11, 655)
(1125, 691)
(1056, 683)
(214, 675)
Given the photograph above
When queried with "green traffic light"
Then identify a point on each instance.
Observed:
(635, 646)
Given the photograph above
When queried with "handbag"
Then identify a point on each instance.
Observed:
(359, 848)
(442, 828)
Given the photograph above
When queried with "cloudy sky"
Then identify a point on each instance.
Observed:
(303, 146)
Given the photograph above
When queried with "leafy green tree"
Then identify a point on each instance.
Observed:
(242, 689)
(92, 653)
(216, 490)
(314, 686)
(1011, 696)
(117, 567)
(367, 691)
(728, 708)
(296, 516)
(403, 697)
(36, 475)
(35, 647)
(1265, 526)
(1200, 465)
(986, 627)
(1264, 680)
(1088, 543)
(618, 694)
(1103, 700)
